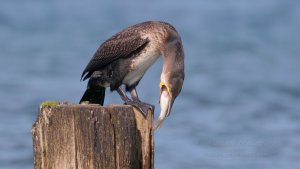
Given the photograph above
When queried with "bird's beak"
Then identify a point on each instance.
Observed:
(166, 103)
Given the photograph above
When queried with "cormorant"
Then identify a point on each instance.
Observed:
(125, 57)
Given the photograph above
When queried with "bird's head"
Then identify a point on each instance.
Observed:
(172, 78)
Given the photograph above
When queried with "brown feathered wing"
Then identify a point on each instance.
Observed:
(118, 46)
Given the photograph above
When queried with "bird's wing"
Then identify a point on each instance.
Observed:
(118, 46)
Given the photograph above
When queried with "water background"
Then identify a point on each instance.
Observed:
(240, 104)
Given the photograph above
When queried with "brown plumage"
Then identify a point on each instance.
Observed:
(126, 56)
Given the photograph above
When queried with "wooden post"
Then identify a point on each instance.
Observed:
(73, 136)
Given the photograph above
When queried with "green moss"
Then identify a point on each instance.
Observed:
(49, 104)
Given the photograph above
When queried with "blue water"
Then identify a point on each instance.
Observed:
(240, 104)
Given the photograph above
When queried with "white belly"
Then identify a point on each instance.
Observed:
(140, 66)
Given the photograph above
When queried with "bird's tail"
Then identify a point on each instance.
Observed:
(93, 95)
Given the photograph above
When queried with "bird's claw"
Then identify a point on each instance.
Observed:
(143, 107)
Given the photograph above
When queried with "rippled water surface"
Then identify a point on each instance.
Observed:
(240, 105)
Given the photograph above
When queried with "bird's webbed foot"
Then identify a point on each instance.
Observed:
(143, 107)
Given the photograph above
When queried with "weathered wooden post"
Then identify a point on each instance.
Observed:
(73, 136)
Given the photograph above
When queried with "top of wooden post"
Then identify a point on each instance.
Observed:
(91, 136)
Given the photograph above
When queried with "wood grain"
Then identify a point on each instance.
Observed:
(72, 136)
